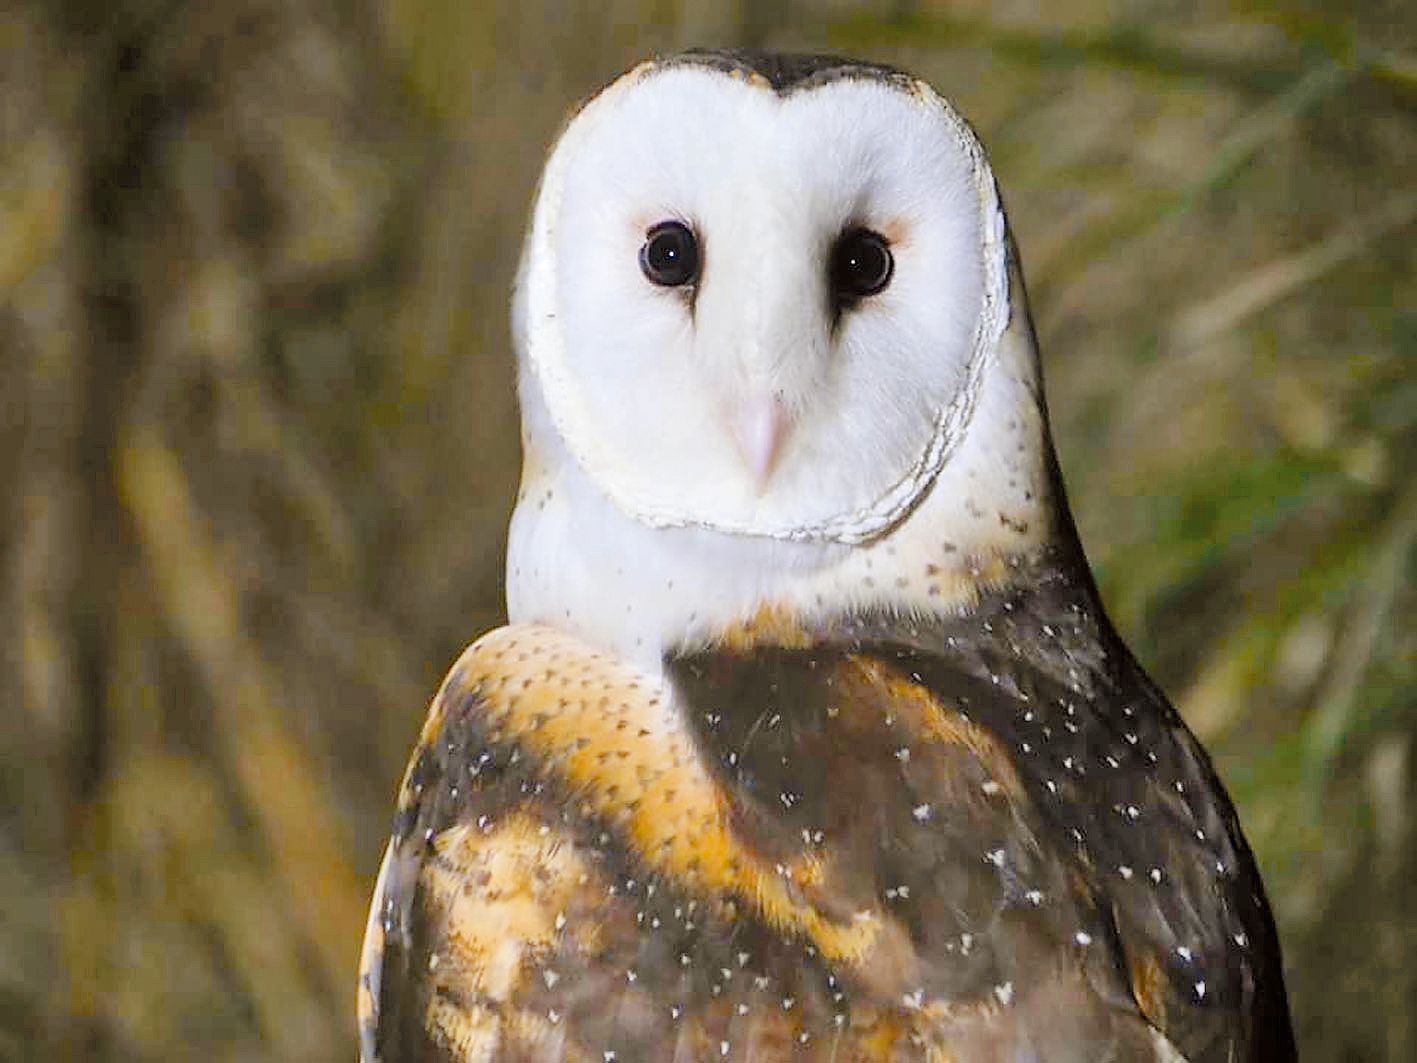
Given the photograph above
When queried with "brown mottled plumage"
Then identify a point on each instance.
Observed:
(917, 803)
(988, 838)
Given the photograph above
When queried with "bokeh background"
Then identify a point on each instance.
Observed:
(257, 446)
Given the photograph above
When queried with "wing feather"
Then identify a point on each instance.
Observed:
(772, 853)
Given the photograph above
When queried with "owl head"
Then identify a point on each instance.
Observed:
(769, 332)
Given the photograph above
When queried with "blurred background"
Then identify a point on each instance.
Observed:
(258, 446)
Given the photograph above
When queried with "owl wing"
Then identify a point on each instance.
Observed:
(781, 853)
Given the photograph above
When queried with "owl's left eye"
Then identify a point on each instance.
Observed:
(669, 256)
(861, 265)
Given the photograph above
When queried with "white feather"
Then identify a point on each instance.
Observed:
(916, 425)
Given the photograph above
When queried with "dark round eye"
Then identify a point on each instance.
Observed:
(861, 264)
(670, 255)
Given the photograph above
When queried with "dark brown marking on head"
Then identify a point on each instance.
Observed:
(787, 73)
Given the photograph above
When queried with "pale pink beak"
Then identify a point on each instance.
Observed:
(759, 426)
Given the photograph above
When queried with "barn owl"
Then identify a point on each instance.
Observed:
(808, 738)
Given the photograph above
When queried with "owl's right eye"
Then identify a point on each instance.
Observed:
(861, 265)
(669, 256)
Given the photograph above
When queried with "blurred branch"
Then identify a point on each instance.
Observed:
(1265, 122)
(1245, 139)
(295, 813)
(1395, 68)
(1126, 48)
(1273, 281)
(1373, 600)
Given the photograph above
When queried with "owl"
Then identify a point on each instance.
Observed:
(808, 738)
